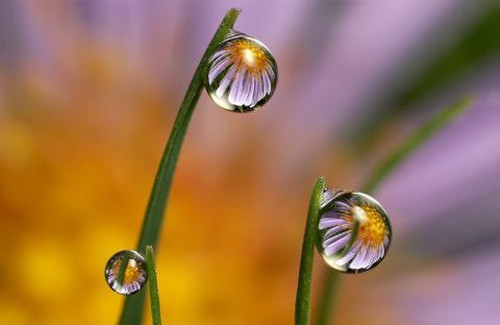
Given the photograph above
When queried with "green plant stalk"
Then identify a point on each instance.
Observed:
(352, 238)
(303, 301)
(439, 121)
(134, 305)
(153, 286)
(331, 281)
(427, 131)
(122, 269)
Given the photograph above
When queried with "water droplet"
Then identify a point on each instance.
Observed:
(342, 246)
(241, 74)
(134, 276)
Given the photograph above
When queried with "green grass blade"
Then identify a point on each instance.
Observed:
(303, 301)
(440, 120)
(134, 305)
(153, 286)
(122, 269)
(353, 237)
(472, 47)
(426, 132)
(329, 296)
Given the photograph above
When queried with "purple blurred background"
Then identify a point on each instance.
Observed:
(88, 94)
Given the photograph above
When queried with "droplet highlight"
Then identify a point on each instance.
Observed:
(134, 273)
(354, 232)
(242, 74)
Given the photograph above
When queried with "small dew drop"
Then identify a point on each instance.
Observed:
(134, 274)
(341, 246)
(242, 74)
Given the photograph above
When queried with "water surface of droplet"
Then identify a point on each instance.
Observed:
(134, 274)
(241, 74)
(342, 246)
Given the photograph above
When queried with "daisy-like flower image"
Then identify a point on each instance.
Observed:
(354, 231)
(134, 277)
(241, 74)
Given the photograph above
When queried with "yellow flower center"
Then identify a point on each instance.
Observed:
(248, 54)
(132, 273)
(372, 228)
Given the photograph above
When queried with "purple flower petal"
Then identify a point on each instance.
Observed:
(330, 222)
(350, 255)
(335, 238)
(360, 260)
(336, 246)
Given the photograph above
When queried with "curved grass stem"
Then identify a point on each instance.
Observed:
(134, 305)
(303, 301)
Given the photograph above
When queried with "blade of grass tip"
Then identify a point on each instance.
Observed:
(303, 301)
(439, 121)
(153, 286)
(134, 305)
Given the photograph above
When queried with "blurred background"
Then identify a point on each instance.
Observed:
(88, 94)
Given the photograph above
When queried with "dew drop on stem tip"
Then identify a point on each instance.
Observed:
(354, 232)
(242, 73)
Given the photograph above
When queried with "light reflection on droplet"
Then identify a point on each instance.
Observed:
(134, 276)
(241, 74)
(335, 242)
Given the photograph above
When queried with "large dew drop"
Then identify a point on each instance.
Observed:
(241, 74)
(134, 274)
(354, 231)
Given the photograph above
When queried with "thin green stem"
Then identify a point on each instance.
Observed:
(329, 297)
(122, 269)
(386, 167)
(352, 238)
(134, 305)
(415, 141)
(303, 301)
(153, 286)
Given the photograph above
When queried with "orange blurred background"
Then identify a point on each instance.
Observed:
(89, 92)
